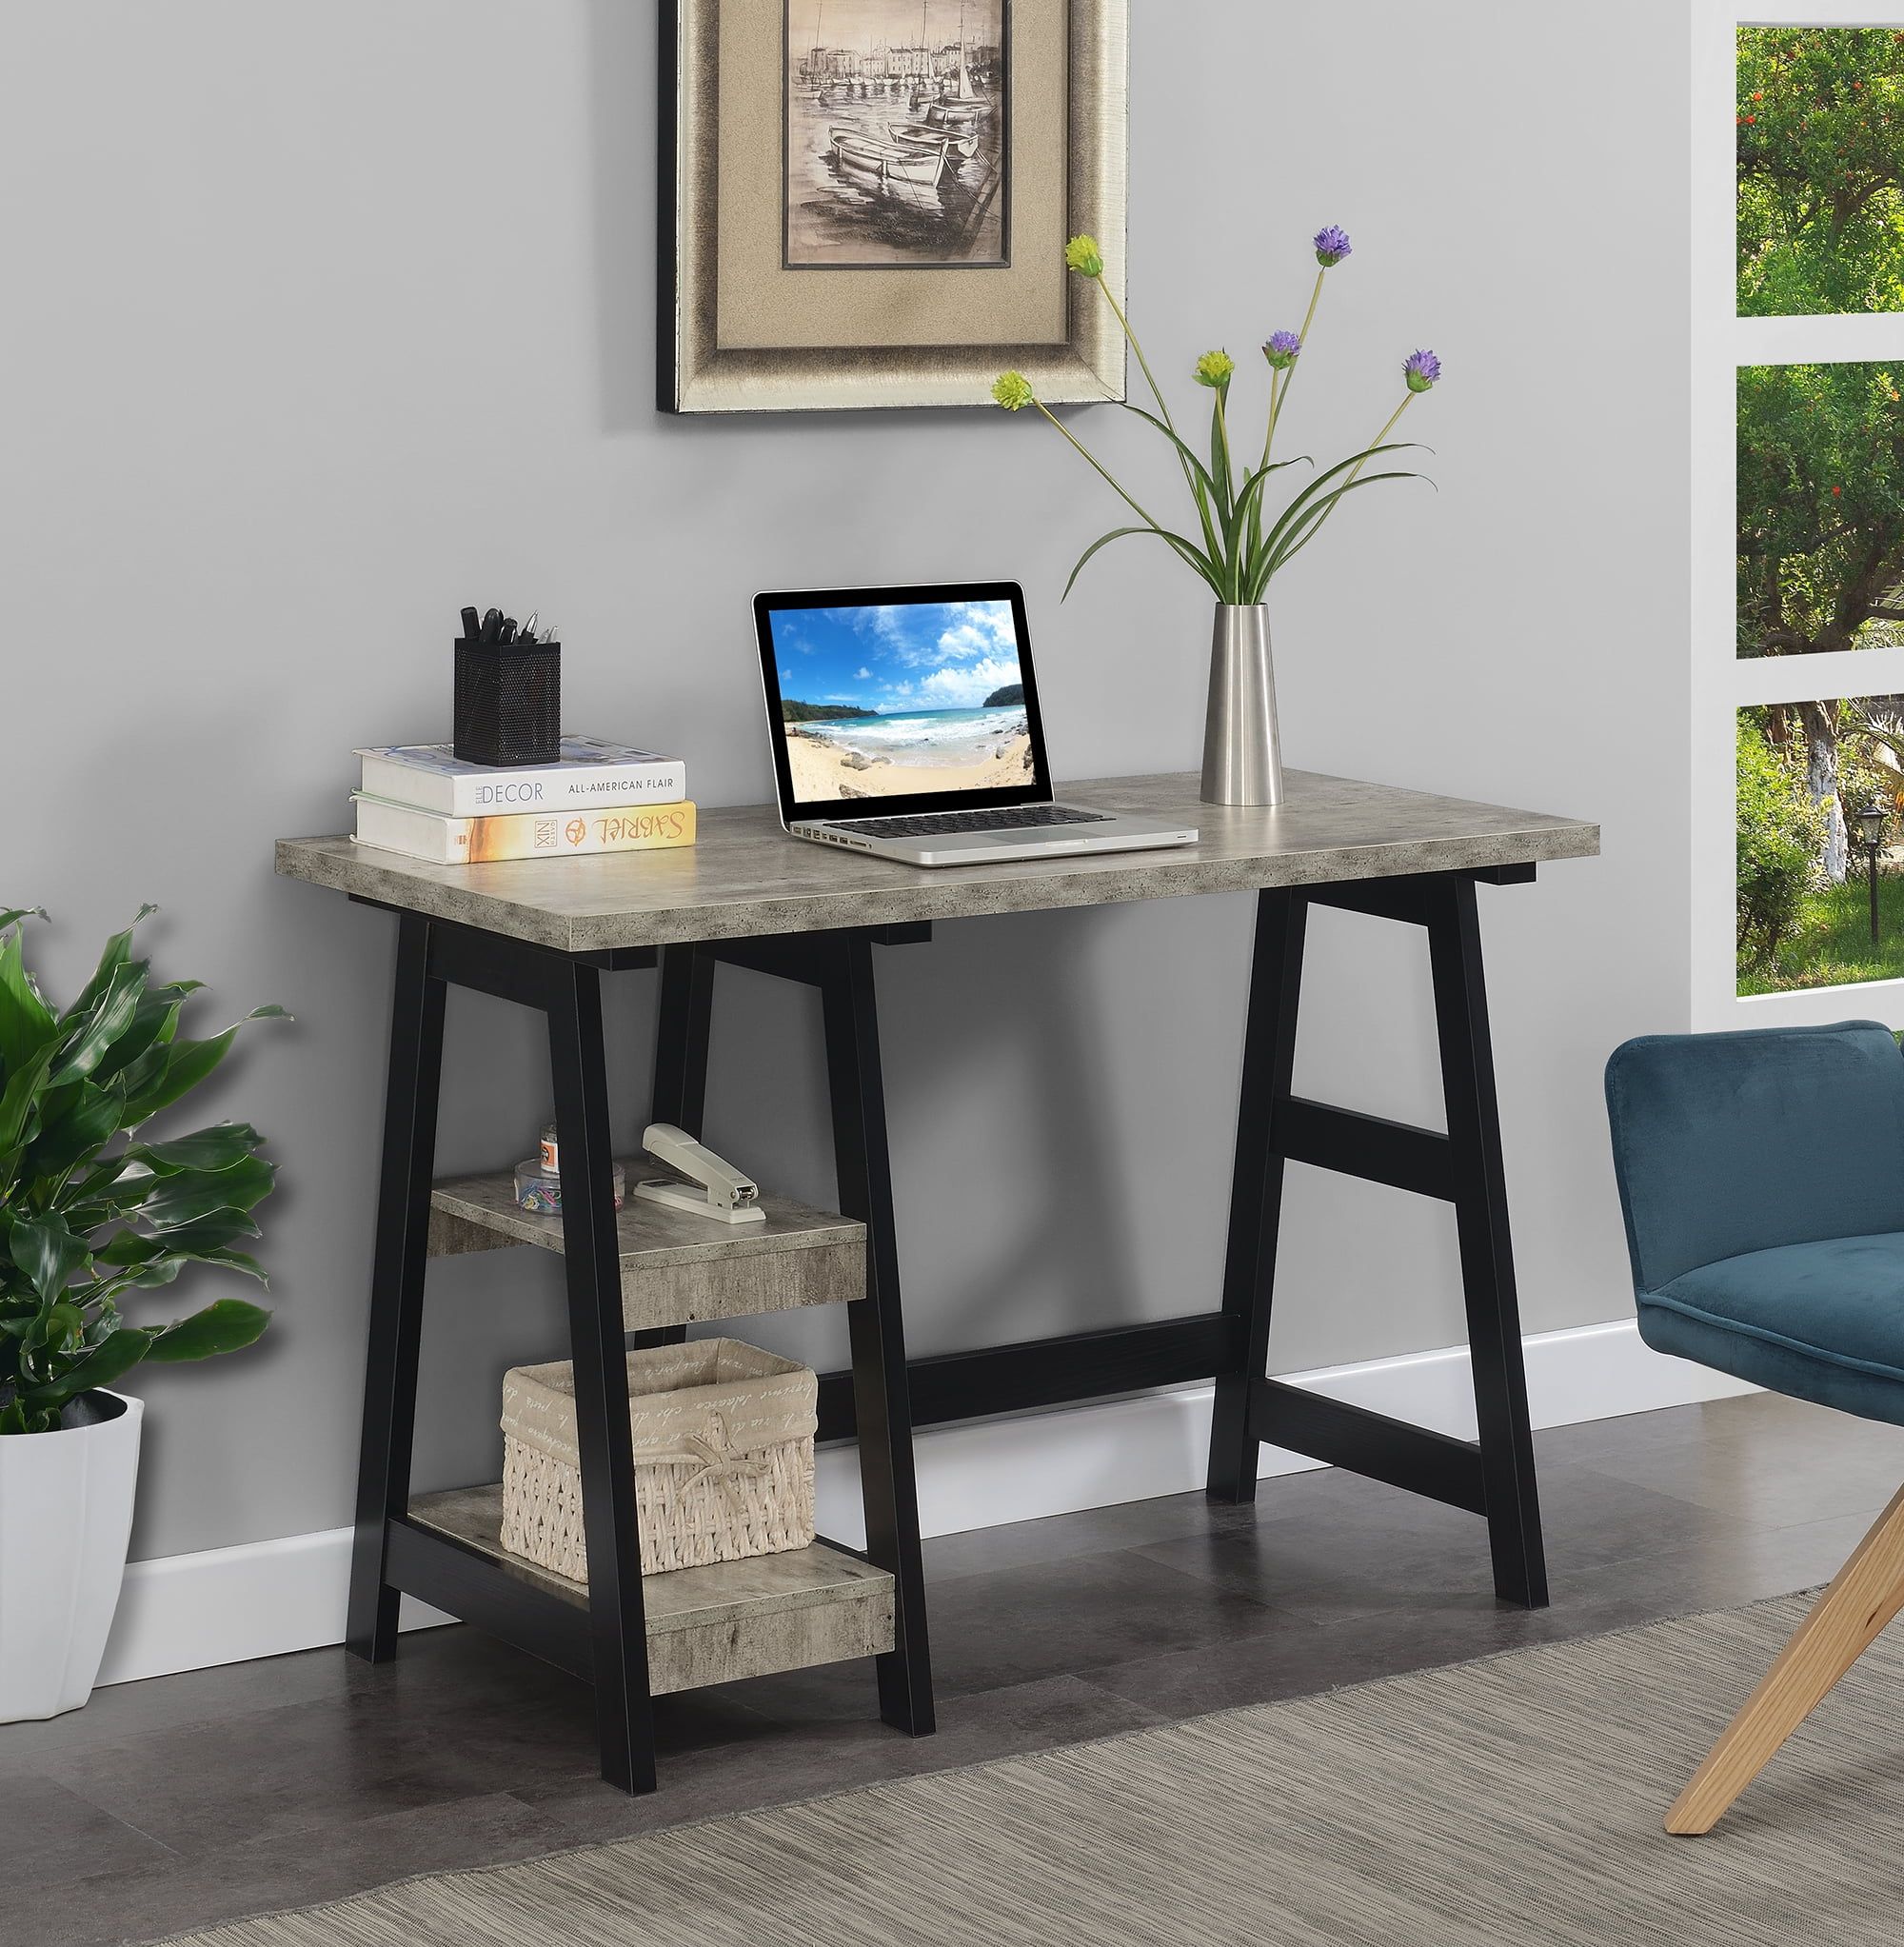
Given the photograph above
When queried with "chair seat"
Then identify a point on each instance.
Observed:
(1823, 1321)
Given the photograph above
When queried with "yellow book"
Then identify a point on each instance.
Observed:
(444, 841)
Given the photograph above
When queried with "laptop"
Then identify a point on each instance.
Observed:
(904, 721)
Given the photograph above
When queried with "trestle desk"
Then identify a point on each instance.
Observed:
(544, 933)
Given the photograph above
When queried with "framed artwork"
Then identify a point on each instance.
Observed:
(865, 202)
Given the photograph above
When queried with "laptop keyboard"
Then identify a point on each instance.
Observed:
(1005, 818)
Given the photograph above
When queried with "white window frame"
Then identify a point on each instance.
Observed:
(1721, 342)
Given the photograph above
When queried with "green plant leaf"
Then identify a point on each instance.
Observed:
(95, 1032)
(203, 1239)
(77, 1119)
(27, 1024)
(184, 1066)
(46, 1252)
(226, 1325)
(155, 1022)
(1177, 541)
(119, 1352)
(18, 1101)
(116, 953)
(1306, 530)
(195, 1193)
(216, 1147)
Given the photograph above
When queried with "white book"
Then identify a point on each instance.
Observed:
(443, 840)
(590, 772)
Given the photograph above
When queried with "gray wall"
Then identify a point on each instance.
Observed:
(298, 363)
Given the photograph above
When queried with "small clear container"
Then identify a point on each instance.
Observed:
(539, 1191)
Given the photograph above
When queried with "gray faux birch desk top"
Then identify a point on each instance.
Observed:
(744, 878)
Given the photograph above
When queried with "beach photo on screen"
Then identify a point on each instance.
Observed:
(891, 700)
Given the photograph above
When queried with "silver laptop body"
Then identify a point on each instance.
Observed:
(904, 721)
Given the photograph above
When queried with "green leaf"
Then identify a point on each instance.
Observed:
(1294, 543)
(1201, 473)
(77, 1119)
(155, 1022)
(119, 1352)
(27, 1024)
(216, 1147)
(184, 1066)
(199, 1237)
(19, 1100)
(46, 1252)
(111, 1016)
(194, 1193)
(117, 952)
(1177, 541)
(228, 1326)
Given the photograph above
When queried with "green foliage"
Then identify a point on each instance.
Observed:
(1780, 830)
(1820, 506)
(1830, 944)
(89, 1209)
(1012, 692)
(819, 712)
(1820, 137)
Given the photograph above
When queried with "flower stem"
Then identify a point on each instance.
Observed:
(1116, 311)
(1095, 462)
(1381, 437)
(1308, 319)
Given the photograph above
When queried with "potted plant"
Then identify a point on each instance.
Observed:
(90, 1211)
(1238, 544)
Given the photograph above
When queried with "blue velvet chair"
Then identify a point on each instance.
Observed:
(1761, 1175)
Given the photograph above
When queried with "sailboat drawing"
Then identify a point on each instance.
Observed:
(896, 133)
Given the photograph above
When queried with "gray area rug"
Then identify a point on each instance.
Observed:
(1512, 1801)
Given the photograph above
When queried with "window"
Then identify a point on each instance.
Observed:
(1799, 428)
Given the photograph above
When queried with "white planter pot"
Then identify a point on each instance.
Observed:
(66, 1518)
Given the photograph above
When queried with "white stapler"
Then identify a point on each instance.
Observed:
(719, 1190)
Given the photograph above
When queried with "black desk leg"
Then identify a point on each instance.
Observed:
(396, 1286)
(592, 1263)
(682, 1027)
(683, 1022)
(882, 1399)
(1487, 1256)
(1255, 1189)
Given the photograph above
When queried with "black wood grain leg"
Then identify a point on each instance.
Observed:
(396, 1286)
(1487, 1254)
(592, 1264)
(1255, 1188)
(684, 1024)
(882, 1400)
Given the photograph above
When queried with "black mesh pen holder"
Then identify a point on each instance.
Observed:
(508, 703)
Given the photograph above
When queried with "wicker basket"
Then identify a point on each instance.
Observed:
(724, 1457)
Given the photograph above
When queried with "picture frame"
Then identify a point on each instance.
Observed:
(870, 210)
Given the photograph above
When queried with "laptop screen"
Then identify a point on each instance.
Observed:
(914, 699)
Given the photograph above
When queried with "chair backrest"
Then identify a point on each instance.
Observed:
(1725, 1143)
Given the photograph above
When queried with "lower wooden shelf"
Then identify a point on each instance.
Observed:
(705, 1625)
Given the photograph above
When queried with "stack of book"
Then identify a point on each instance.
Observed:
(423, 800)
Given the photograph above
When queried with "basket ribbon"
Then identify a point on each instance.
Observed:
(707, 1451)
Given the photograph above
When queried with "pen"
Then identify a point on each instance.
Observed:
(493, 621)
(471, 628)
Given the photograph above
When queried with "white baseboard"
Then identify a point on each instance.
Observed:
(263, 1598)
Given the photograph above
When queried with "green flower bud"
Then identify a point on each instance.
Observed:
(1215, 368)
(1013, 392)
(1084, 257)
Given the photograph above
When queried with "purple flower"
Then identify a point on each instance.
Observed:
(1421, 369)
(1331, 245)
(1282, 350)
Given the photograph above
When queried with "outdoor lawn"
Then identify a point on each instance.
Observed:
(1829, 941)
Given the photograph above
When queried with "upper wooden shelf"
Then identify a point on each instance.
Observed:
(677, 1269)
(745, 879)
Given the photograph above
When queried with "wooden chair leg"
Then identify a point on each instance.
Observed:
(1864, 1595)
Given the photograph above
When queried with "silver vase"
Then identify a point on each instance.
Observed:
(1242, 758)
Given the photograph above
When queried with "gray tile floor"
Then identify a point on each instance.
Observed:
(176, 1804)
